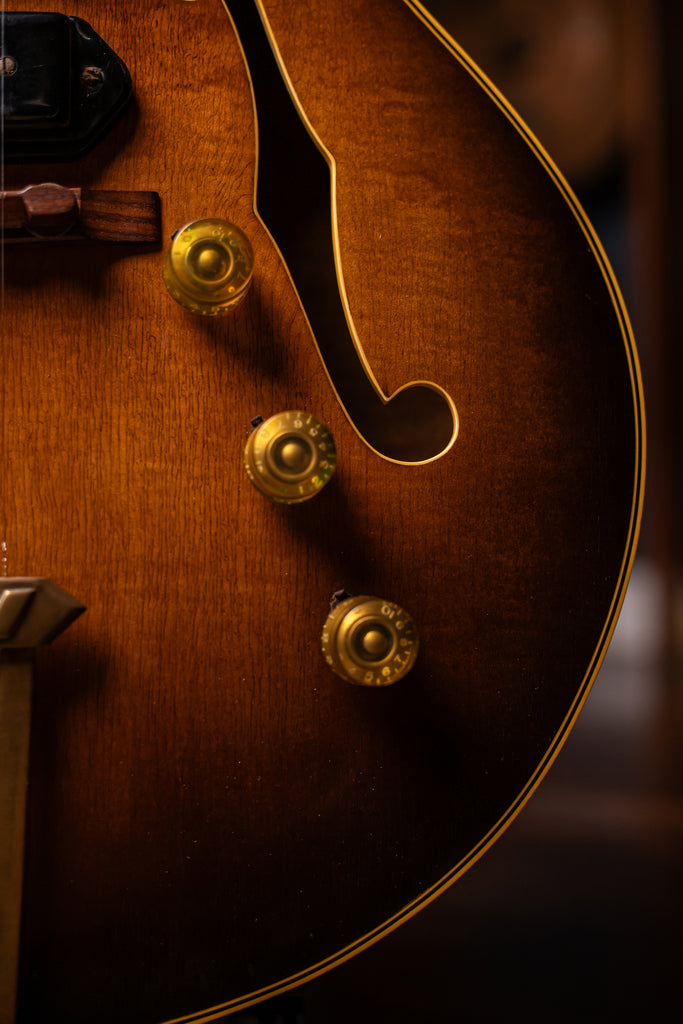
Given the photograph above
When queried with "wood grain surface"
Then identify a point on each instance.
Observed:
(211, 812)
(48, 211)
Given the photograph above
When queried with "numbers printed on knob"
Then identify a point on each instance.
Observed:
(290, 457)
(369, 641)
(209, 267)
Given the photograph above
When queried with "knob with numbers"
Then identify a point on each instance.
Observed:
(209, 267)
(369, 641)
(290, 456)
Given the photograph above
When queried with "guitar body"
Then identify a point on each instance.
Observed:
(212, 813)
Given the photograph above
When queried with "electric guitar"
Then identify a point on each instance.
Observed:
(319, 396)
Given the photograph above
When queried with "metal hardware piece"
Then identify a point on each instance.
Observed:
(13, 603)
(290, 457)
(369, 641)
(33, 611)
(63, 86)
(209, 267)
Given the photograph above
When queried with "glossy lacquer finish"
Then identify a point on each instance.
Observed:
(212, 812)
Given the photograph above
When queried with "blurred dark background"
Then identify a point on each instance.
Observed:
(575, 914)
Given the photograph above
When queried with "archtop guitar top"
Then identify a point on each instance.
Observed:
(432, 345)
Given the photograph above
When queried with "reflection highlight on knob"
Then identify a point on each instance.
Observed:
(209, 267)
(290, 456)
(369, 641)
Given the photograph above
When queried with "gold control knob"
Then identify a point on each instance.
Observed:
(290, 456)
(369, 641)
(209, 267)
